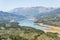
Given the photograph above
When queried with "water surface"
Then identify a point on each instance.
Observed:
(30, 23)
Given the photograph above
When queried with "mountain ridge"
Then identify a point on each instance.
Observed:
(30, 11)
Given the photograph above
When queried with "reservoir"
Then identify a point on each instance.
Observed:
(30, 23)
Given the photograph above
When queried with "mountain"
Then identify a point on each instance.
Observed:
(54, 12)
(30, 11)
(51, 18)
(5, 16)
(27, 12)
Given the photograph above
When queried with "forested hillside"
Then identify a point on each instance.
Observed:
(13, 31)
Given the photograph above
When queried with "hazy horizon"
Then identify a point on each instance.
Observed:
(6, 5)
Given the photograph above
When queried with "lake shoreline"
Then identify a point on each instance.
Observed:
(54, 29)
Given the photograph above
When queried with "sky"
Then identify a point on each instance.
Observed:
(7, 5)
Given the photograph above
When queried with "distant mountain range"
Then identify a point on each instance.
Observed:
(28, 12)
(31, 11)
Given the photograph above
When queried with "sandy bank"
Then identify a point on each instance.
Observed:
(54, 29)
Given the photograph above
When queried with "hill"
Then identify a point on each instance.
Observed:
(5, 16)
(25, 33)
(51, 18)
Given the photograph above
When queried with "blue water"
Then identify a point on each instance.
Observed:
(30, 23)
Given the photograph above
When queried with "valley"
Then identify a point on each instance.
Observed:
(29, 19)
(31, 23)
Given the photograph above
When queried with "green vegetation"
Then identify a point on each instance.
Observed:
(51, 20)
(12, 31)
